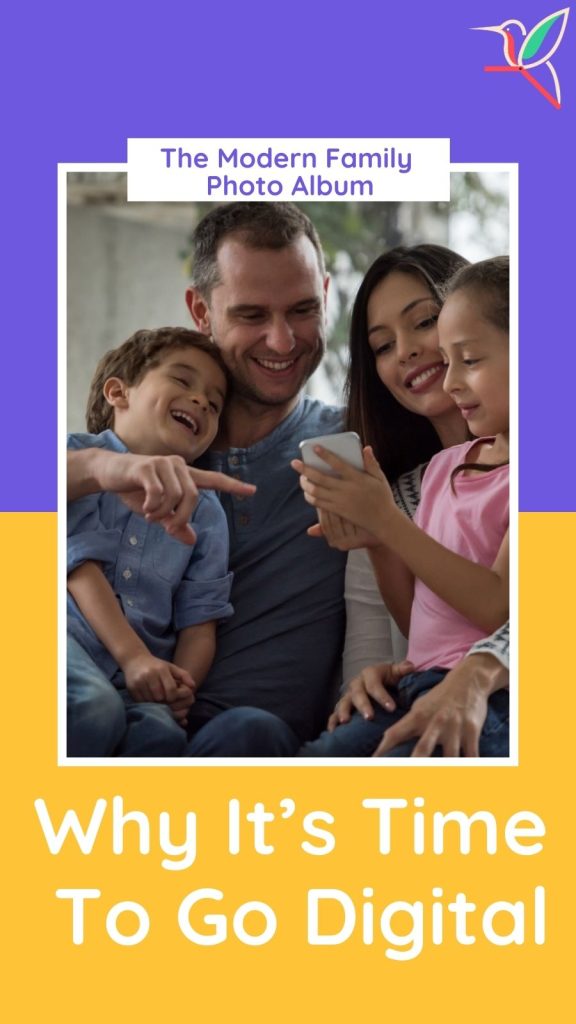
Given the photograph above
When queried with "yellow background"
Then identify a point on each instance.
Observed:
(166, 977)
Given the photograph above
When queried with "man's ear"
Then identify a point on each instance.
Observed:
(326, 286)
(116, 393)
(198, 310)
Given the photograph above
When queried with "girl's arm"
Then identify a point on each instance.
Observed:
(395, 582)
(365, 499)
(147, 678)
(479, 593)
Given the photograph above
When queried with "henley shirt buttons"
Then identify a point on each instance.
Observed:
(133, 541)
(127, 574)
(244, 520)
(233, 460)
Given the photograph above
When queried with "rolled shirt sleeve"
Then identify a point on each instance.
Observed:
(161, 584)
(498, 645)
(88, 538)
(204, 592)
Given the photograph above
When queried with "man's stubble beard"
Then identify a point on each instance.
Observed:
(243, 390)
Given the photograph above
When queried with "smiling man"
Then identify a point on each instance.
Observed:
(259, 291)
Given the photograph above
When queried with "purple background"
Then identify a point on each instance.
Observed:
(78, 80)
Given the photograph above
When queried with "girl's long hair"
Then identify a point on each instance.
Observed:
(401, 439)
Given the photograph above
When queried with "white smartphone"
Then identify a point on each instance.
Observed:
(346, 446)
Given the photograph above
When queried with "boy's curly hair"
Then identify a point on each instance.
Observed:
(132, 360)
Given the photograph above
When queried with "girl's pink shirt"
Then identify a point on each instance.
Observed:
(472, 521)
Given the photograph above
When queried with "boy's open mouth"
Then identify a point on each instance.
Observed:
(186, 420)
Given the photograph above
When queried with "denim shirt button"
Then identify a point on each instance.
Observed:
(127, 574)
(133, 541)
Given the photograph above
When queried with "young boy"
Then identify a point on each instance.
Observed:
(142, 606)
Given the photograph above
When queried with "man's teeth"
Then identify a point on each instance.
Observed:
(268, 364)
(424, 376)
(183, 417)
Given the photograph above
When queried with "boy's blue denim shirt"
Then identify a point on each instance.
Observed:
(162, 585)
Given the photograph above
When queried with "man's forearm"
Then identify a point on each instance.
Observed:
(83, 469)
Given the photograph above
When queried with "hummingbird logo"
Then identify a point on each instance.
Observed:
(524, 52)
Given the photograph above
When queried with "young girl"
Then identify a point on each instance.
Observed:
(445, 578)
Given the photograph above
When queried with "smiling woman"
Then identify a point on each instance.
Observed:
(396, 402)
(401, 319)
(401, 403)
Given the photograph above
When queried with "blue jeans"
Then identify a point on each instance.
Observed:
(359, 737)
(244, 732)
(104, 721)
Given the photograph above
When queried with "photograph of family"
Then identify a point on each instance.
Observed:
(288, 476)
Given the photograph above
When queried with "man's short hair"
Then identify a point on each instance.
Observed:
(258, 225)
(131, 361)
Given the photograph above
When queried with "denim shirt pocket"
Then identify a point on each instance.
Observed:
(170, 558)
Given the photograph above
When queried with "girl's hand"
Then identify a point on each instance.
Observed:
(363, 499)
(371, 685)
(340, 534)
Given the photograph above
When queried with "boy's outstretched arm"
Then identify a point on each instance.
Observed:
(162, 488)
(147, 678)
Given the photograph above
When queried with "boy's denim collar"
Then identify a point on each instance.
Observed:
(111, 440)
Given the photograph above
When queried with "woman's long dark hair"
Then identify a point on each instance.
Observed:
(401, 439)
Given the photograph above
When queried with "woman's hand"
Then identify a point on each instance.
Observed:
(370, 685)
(451, 715)
(361, 498)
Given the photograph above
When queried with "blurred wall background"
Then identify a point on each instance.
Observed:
(128, 263)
